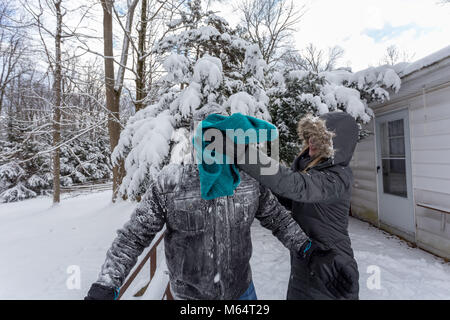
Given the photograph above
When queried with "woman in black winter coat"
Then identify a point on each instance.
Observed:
(317, 189)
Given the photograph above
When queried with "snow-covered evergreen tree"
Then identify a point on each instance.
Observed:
(210, 69)
(26, 172)
(298, 92)
(21, 179)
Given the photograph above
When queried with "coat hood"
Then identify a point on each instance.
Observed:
(345, 130)
(335, 135)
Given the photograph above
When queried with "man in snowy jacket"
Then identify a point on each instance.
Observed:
(208, 243)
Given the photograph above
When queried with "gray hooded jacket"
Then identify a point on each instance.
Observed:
(207, 244)
(320, 202)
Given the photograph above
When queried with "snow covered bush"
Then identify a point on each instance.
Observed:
(296, 93)
(209, 68)
(20, 179)
(29, 173)
(84, 160)
(9, 174)
(14, 184)
(16, 193)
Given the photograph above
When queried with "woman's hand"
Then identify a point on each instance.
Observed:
(333, 270)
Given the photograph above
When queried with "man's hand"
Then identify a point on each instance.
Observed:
(334, 270)
(99, 292)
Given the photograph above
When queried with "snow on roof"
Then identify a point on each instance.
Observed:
(405, 69)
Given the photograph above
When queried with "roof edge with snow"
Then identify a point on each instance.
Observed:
(407, 69)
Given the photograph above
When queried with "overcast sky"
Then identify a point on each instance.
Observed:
(365, 28)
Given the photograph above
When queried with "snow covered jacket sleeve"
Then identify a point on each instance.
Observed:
(311, 187)
(277, 219)
(146, 221)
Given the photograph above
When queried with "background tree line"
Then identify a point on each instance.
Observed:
(72, 74)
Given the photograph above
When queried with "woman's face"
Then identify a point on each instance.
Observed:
(312, 147)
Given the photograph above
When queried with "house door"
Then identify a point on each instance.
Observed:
(394, 171)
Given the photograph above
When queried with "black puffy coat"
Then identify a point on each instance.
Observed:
(320, 202)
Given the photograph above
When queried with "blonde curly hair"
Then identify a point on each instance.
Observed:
(314, 128)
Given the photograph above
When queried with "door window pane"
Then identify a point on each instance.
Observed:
(397, 147)
(396, 128)
(392, 137)
(394, 177)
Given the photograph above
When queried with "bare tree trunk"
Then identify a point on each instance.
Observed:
(140, 70)
(2, 94)
(112, 96)
(57, 106)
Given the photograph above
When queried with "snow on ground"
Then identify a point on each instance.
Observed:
(39, 243)
(405, 272)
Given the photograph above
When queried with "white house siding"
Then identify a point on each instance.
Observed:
(430, 152)
(426, 94)
(364, 192)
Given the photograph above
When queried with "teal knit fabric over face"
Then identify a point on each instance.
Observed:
(218, 176)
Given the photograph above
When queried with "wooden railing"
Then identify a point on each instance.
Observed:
(97, 185)
(151, 255)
